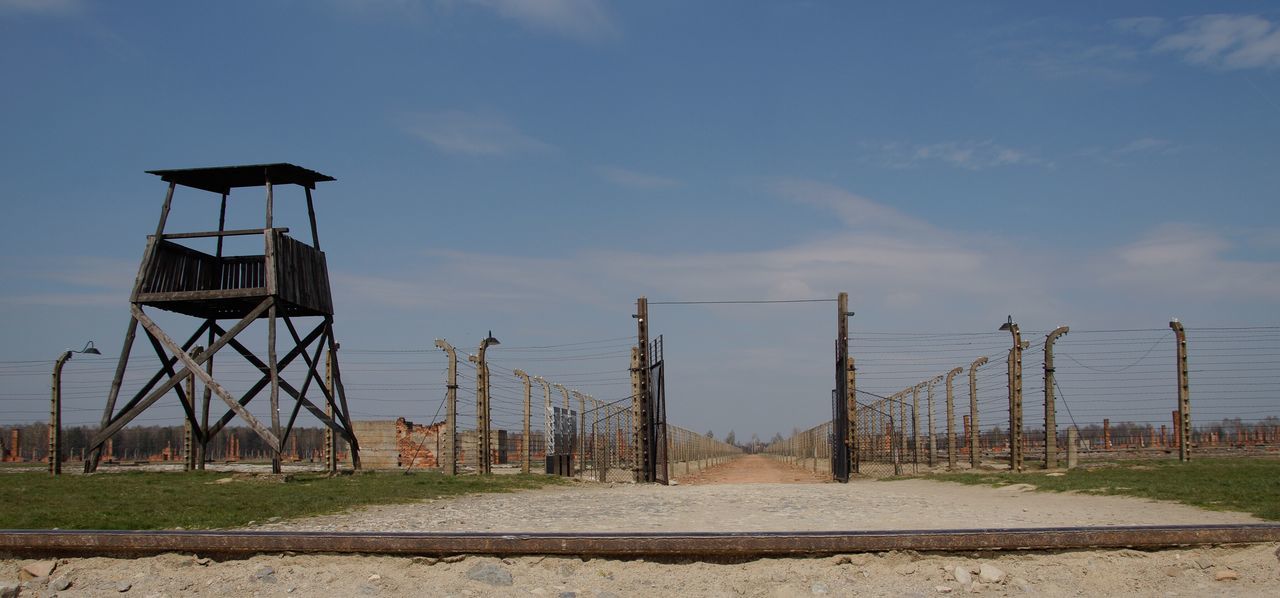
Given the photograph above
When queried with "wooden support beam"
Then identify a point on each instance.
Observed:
(265, 380)
(193, 368)
(312, 374)
(137, 406)
(238, 232)
(185, 398)
(344, 412)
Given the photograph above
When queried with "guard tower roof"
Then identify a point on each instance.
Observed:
(221, 179)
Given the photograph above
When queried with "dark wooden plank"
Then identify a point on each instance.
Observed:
(202, 295)
(311, 214)
(238, 232)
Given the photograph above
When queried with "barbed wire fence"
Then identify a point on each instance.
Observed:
(1116, 391)
(1116, 388)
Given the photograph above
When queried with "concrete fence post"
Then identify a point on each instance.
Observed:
(933, 437)
(1050, 410)
(525, 462)
(1072, 442)
(974, 449)
(1184, 392)
(951, 419)
(449, 462)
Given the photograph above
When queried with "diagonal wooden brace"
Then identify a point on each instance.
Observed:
(193, 368)
(132, 411)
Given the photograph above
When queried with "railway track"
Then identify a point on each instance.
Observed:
(622, 545)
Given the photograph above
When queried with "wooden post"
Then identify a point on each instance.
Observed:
(840, 458)
(274, 365)
(270, 203)
(641, 398)
(636, 387)
(311, 214)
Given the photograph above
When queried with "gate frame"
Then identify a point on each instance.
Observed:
(650, 398)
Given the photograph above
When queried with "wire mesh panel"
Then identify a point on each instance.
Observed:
(612, 442)
(876, 441)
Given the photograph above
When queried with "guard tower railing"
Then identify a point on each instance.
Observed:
(181, 279)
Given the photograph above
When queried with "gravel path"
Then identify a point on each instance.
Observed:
(905, 504)
(1236, 571)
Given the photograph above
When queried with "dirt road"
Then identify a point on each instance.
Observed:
(752, 469)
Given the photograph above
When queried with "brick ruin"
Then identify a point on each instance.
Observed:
(402, 444)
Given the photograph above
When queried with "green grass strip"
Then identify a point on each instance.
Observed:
(198, 500)
(1249, 485)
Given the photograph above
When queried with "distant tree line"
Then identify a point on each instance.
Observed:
(142, 442)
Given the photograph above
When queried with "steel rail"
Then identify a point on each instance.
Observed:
(694, 544)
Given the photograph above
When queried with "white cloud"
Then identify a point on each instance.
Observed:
(1189, 261)
(1226, 41)
(639, 180)
(854, 210)
(42, 7)
(901, 272)
(585, 20)
(474, 134)
(969, 155)
(891, 261)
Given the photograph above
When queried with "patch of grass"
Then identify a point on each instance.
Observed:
(1249, 485)
(195, 500)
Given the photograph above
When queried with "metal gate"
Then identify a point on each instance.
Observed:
(658, 412)
(611, 442)
(879, 440)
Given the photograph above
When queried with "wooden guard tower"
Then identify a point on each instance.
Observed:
(288, 281)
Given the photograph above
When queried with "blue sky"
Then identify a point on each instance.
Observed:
(531, 167)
